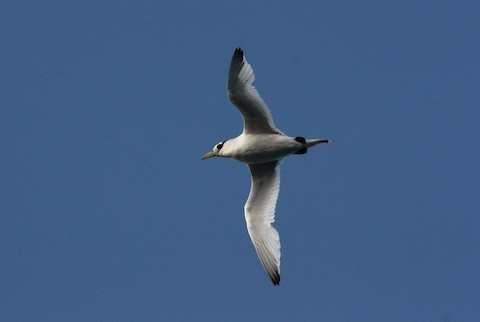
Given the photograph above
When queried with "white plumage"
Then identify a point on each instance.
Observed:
(262, 147)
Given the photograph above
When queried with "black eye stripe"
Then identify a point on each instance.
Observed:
(219, 145)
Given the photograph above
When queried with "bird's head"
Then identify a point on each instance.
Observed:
(215, 152)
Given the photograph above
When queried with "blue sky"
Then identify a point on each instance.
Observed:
(108, 213)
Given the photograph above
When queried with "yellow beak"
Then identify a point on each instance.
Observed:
(210, 154)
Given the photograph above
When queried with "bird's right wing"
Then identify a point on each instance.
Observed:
(260, 214)
(257, 118)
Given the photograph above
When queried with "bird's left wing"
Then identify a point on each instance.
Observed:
(257, 118)
(260, 214)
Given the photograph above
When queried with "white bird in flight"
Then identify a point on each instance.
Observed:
(262, 147)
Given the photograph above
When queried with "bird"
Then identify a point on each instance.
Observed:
(262, 146)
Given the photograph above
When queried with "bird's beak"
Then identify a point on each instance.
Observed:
(210, 154)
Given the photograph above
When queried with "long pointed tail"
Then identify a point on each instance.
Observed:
(313, 142)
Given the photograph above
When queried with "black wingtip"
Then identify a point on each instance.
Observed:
(274, 277)
(238, 54)
(275, 280)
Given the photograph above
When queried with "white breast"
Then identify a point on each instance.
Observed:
(260, 148)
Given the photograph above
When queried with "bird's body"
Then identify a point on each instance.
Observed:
(262, 147)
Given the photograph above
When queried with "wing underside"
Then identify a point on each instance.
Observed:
(257, 118)
(260, 214)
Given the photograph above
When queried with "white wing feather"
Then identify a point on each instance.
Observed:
(260, 214)
(257, 118)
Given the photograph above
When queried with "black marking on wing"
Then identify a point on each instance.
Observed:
(301, 151)
(300, 139)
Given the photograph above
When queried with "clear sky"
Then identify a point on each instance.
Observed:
(108, 213)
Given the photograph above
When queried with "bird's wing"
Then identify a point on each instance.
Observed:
(260, 214)
(257, 118)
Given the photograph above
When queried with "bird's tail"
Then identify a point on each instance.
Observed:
(309, 143)
(312, 142)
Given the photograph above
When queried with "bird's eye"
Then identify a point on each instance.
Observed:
(219, 146)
